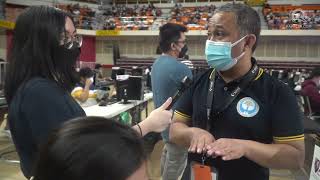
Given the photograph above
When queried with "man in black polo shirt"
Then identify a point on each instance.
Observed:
(237, 118)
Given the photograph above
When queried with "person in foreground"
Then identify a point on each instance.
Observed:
(90, 148)
(236, 118)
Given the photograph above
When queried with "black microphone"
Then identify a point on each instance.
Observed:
(184, 84)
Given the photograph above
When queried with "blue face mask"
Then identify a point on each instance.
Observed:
(218, 54)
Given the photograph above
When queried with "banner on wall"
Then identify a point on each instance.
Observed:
(7, 24)
(107, 33)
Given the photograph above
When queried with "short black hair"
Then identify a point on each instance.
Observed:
(315, 72)
(90, 148)
(86, 72)
(97, 66)
(247, 19)
(170, 33)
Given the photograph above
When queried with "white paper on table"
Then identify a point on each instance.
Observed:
(122, 77)
(315, 168)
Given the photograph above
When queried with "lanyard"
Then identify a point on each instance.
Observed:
(244, 82)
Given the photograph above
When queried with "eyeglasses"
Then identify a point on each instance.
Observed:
(183, 42)
(72, 42)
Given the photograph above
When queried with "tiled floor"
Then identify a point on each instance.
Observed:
(11, 171)
(8, 171)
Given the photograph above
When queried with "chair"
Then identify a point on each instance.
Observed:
(310, 125)
(308, 110)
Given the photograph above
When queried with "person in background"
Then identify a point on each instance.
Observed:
(84, 90)
(311, 89)
(41, 75)
(99, 73)
(235, 118)
(187, 62)
(166, 75)
(92, 148)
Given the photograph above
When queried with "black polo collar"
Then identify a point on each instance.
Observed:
(237, 81)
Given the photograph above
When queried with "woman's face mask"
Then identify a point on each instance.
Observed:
(218, 54)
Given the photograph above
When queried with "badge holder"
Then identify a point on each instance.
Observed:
(200, 171)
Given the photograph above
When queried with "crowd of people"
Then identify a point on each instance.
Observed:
(118, 17)
(195, 18)
(122, 17)
(293, 19)
(149, 17)
(89, 1)
(142, 17)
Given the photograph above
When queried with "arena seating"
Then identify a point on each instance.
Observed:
(88, 1)
(292, 17)
(119, 17)
(195, 18)
(149, 17)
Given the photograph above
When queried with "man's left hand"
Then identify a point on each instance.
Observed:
(228, 149)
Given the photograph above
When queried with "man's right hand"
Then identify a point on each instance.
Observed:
(88, 82)
(199, 140)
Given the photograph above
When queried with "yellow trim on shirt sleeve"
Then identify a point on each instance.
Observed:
(182, 115)
(289, 138)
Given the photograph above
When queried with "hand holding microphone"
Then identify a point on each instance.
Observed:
(185, 84)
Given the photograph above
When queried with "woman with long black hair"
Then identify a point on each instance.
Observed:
(40, 76)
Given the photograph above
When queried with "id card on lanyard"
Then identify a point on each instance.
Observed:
(200, 171)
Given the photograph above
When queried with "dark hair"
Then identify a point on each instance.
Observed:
(90, 148)
(36, 50)
(86, 72)
(170, 33)
(247, 19)
(97, 66)
(315, 72)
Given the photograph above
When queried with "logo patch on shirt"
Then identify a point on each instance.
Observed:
(247, 107)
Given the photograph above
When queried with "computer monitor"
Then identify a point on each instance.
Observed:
(130, 89)
(137, 71)
(117, 71)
